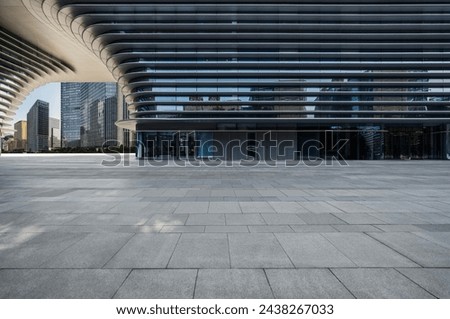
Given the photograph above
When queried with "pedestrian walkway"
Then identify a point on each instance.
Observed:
(71, 227)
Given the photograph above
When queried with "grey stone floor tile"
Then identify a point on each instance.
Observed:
(270, 229)
(226, 229)
(320, 207)
(192, 208)
(434, 280)
(38, 219)
(49, 207)
(440, 238)
(168, 219)
(232, 284)
(256, 207)
(183, 229)
(257, 251)
(131, 208)
(312, 250)
(422, 251)
(282, 207)
(396, 206)
(222, 192)
(282, 219)
(93, 251)
(244, 219)
(380, 284)
(224, 208)
(140, 229)
(201, 251)
(356, 228)
(145, 251)
(270, 192)
(107, 219)
(399, 228)
(435, 228)
(5, 207)
(158, 284)
(358, 219)
(294, 192)
(86, 207)
(313, 229)
(306, 284)
(397, 218)
(206, 219)
(365, 251)
(60, 283)
(37, 250)
(432, 218)
(162, 207)
(350, 207)
(321, 219)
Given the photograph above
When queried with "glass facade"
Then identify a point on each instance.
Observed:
(70, 113)
(374, 72)
(38, 127)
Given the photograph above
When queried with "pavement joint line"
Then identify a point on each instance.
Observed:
(290, 260)
(123, 282)
(114, 255)
(229, 250)
(268, 282)
(337, 248)
(413, 261)
(195, 284)
(341, 282)
(173, 251)
(57, 254)
(410, 279)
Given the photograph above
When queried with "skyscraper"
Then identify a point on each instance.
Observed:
(20, 135)
(94, 95)
(37, 127)
(70, 113)
(83, 117)
(54, 133)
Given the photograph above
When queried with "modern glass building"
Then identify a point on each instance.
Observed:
(273, 79)
(93, 97)
(38, 127)
(70, 113)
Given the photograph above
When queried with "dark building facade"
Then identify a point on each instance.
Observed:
(88, 113)
(38, 127)
(70, 113)
(374, 74)
(93, 101)
(275, 78)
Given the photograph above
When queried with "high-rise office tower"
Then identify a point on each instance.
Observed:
(20, 135)
(83, 115)
(70, 113)
(93, 97)
(54, 133)
(37, 127)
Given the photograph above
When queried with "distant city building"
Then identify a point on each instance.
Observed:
(83, 117)
(54, 133)
(70, 113)
(20, 136)
(124, 136)
(93, 97)
(37, 127)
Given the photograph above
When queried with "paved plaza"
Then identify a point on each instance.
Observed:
(73, 228)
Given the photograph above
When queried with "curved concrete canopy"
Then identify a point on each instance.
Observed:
(23, 38)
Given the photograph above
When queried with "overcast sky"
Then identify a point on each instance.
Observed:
(50, 93)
